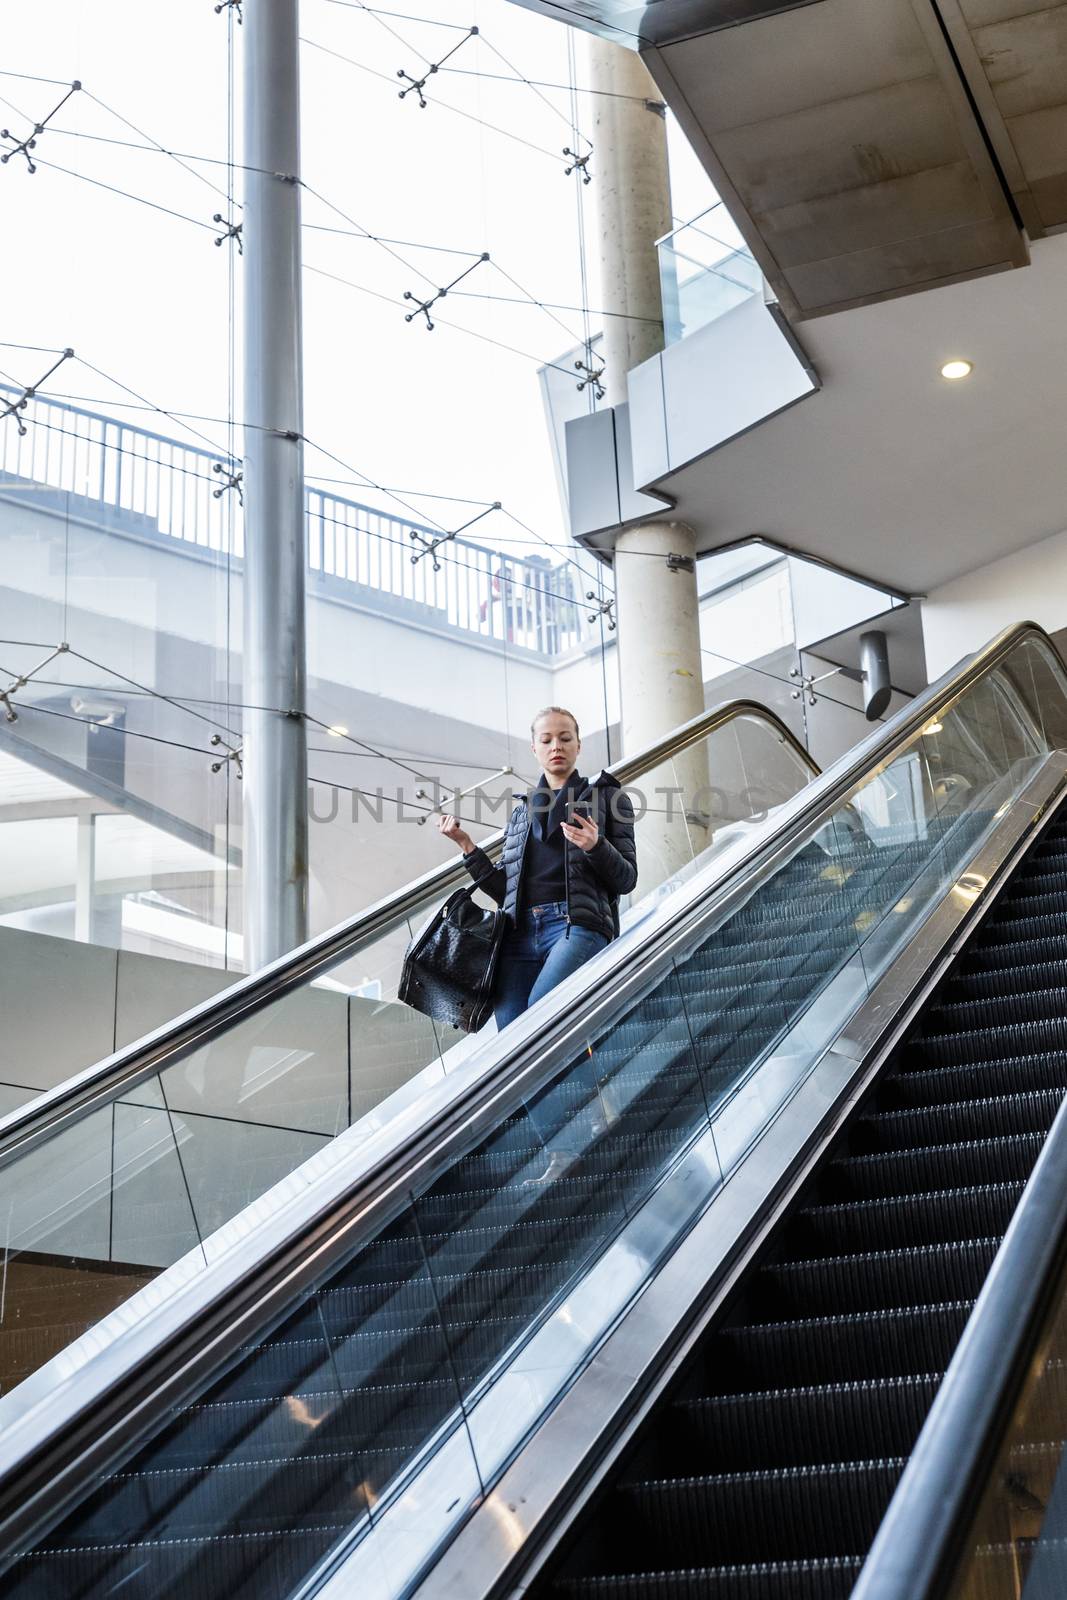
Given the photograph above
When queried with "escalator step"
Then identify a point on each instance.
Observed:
(1014, 925)
(1007, 977)
(871, 1344)
(921, 1274)
(771, 1580)
(240, 1566)
(1030, 1112)
(926, 1085)
(939, 1215)
(1047, 1036)
(801, 1427)
(981, 1161)
(789, 1514)
(995, 1011)
(1009, 950)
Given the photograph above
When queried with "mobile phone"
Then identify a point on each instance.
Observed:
(579, 808)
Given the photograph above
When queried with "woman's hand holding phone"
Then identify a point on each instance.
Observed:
(581, 830)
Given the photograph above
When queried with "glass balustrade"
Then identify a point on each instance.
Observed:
(396, 1387)
(147, 1181)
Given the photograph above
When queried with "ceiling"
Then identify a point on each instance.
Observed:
(891, 472)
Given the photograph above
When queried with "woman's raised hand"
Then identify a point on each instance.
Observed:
(450, 828)
(583, 831)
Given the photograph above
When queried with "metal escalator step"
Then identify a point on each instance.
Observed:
(1032, 1111)
(870, 1344)
(526, 1240)
(923, 1218)
(930, 1086)
(978, 1045)
(247, 1496)
(770, 1580)
(241, 1566)
(1006, 977)
(1015, 925)
(790, 1514)
(1032, 899)
(1015, 947)
(878, 1281)
(995, 1011)
(1047, 1035)
(387, 1418)
(979, 1161)
(826, 1423)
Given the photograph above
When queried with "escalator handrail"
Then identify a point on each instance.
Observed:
(107, 1080)
(73, 1431)
(921, 1537)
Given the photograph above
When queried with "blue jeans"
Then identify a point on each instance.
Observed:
(542, 950)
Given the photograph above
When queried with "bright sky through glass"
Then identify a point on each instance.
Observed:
(143, 294)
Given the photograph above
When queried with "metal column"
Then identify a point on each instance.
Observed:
(275, 746)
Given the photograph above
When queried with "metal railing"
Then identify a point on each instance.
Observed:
(98, 1085)
(153, 487)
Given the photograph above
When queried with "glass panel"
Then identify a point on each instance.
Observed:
(197, 1143)
(450, 1334)
(703, 796)
(88, 1219)
(114, 612)
(1017, 1546)
(705, 270)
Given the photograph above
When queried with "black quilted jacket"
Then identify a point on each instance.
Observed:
(595, 878)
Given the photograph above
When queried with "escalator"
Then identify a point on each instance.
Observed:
(768, 1470)
(799, 1101)
(145, 1156)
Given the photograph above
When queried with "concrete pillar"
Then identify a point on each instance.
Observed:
(632, 188)
(274, 798)
(661, 685)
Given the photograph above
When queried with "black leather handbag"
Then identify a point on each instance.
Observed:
(450, 966)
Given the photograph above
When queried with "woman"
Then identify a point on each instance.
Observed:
(569, 854)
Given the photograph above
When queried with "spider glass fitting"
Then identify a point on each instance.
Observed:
(232, 755)
(417, 85)
(14, 408)
(22, 147)
(230, 480)
(230, 230)
(604, 608)
(230, 5)
(579, 163)
(593, 376)
(422, 307)
(808, 684)
(431, 546)
(10, 714)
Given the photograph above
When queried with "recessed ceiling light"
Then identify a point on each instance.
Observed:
(957, 369)
(338, 731)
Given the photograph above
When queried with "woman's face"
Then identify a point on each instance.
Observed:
(556, 746)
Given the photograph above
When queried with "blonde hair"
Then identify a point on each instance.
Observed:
(557, 711)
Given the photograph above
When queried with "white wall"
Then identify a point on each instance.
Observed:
(963, 615)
